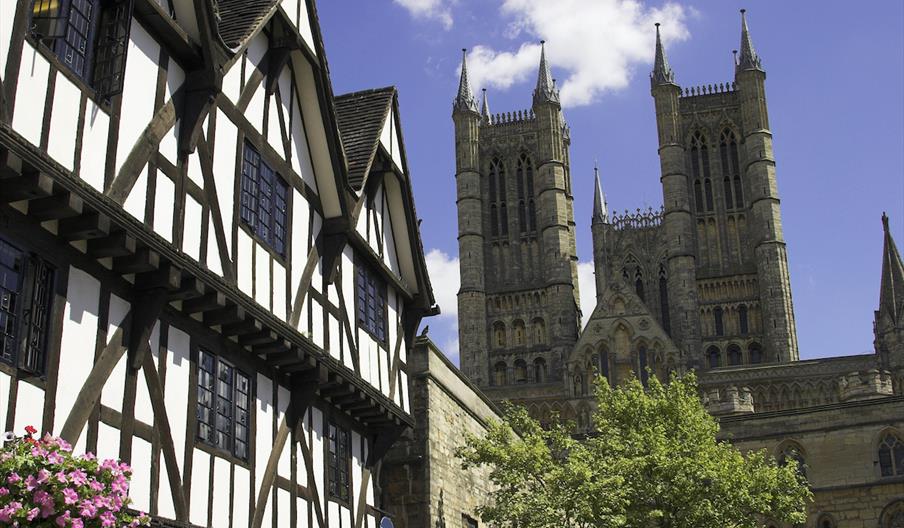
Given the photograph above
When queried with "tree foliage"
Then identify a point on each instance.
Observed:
(654, 461)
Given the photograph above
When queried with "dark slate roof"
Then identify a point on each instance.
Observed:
(361, 116)
(240, 18)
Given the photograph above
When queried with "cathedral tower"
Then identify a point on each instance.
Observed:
(729, 283)
(519, 301)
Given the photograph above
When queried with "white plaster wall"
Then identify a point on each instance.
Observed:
(262, 278)
(164, 201)
(31, 94)
(264, 437)
(67, 99)
(29, 408)
(240, 497)
(169, 145)
(317, 453)
(279, 290)
(317, 327)
(176, 390)
(200, 487)
(243, 260)
(107, 442)
(7, 12)
(213, 261)
(4, 397)
(301, 156)
(114, 390)
(144, 410)
(224, 172)
(284, 511)
(284, 465)
(137, 200)
(191, 238)
(94, 145)
(221, 488)
(140, 489)
(139, 87)
(79, 338)
(255, 111)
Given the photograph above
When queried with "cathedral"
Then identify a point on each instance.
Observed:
(700, 284)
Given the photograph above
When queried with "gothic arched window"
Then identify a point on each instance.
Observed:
(893, 515)
(792, 451)
(501, 374)
(755, 352)
(520, 371)
(499, 333)
(891, 455)
(708, 188)
(826, 521)
(728, 146)
(664, 300)
(717, 320)
(700, 169)
(539, 331)
(540, 370)
(604, 364)
(518, 332)
(712, 354)
(642, 364)
(698, 196)
(743, 325)
(498, 211)
(734, 355)
(638, 283)
(736, 169)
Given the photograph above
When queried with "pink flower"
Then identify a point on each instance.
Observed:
(55, 458)
(96, 485)
(120, 485)
(87, 509)
(4, 492)
(89, 456)
(43, 476)
(78, 477)
(63, 520)
(107, 520)
(78, 523)
(32, 513)
(70, 496)
(61, 477)
(31, 483)
(13, 478)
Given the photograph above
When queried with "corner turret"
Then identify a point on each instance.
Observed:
(748, 60)
(662, 72)
(888, 327)
(546, 91)
(599, 228)
(485, 109)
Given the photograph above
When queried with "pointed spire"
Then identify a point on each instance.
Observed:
(662, 72)
(748, 59)
(891, 292)
(465, 98)
(546, 90)
(600, 207)
(485, 109)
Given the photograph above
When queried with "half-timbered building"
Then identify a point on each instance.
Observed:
(209, 266)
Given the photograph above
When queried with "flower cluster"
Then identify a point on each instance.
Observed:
(43, 485)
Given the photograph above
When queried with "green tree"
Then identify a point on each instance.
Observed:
(653, 461)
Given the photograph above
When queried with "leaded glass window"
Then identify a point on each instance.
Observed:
(339, 462)
(264, 204)
(371, 302)
(26, 299)
(224, 400)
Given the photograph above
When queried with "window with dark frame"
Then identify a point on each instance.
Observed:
(370, 290)
(339, 462)
(90, 37)
(264, 201)
(224, 397)
(26, 299)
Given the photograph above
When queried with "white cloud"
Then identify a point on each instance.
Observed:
(445, 279)
(439, 10)
(593, 45)
(587, 285)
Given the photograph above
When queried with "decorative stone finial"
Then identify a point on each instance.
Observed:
(464, 101)
(662, 72)
(545, 91)
(748, 59)
(600, 207)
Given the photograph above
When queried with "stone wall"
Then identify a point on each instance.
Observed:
(423, 483)
(839, 444)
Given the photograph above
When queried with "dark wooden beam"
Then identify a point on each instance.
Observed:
(241, 328)
(167, 277)
(278, 347)
(191, 288)
(28, 186)
(264, 336)
(143, 260)
(85, 227)
(118, 244)
(228, 315)
(55, 207)
(205, 303)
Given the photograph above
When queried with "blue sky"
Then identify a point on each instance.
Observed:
(835, 90)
